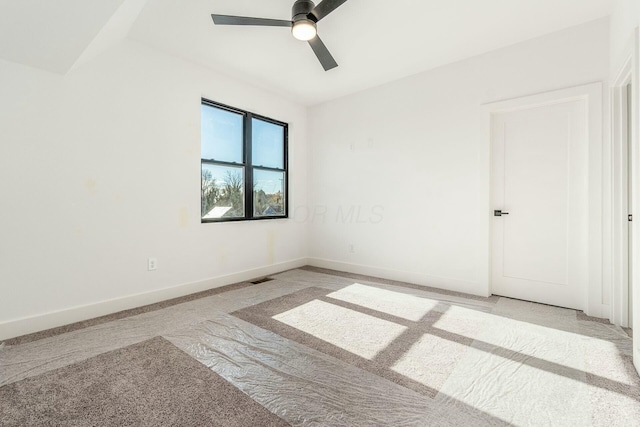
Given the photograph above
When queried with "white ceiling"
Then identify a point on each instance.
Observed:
(48, 34)
(373, 41)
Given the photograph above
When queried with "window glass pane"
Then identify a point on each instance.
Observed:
(268, 144)
(222, 192)
(222, 134)
(268, 193)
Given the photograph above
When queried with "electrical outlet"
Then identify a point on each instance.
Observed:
(153, 264)
(352, 248)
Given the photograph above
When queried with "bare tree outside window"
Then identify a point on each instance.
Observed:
(242, 178)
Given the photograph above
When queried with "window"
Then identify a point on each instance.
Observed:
(243, 165)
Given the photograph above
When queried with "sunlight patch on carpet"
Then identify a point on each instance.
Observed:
(430, 360)
(355, 332)
(398, 304)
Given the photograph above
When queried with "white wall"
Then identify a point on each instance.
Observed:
(415, 151)
(625, 18)
(100, 169)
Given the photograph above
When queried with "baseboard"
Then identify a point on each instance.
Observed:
(41, 322)
(602, 311)
(448, 284)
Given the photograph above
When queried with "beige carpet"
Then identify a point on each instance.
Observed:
(327, 324)
(322, 348)
(152, 383)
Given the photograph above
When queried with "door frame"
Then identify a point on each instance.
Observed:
(620, 280)
(591, 300)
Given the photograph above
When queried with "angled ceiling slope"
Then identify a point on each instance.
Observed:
(55, 35)
(374, 41)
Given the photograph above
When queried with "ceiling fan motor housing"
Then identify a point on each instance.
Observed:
(304, 17)
(301, 11)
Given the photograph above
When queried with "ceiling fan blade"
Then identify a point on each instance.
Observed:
(244, 20)
(322, 53)
(325, 7)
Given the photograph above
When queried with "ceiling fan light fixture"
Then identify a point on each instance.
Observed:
(304, 30)
(304, 16)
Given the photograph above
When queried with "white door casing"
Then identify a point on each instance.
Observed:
(540, 177)
(625, 168)
(622, 199)
(629, 171)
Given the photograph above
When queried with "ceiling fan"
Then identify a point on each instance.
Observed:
(305, 15)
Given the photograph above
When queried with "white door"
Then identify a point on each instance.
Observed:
(540, 178)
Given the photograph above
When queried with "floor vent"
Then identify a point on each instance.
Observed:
(264, 279)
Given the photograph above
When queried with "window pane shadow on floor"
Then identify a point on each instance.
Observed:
(307, 387)
(589, 325)
(420, 356)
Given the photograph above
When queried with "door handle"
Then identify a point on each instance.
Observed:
(499, 213)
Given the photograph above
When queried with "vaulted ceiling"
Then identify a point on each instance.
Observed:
(373, 41)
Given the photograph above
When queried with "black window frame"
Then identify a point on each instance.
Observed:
(247, 165)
